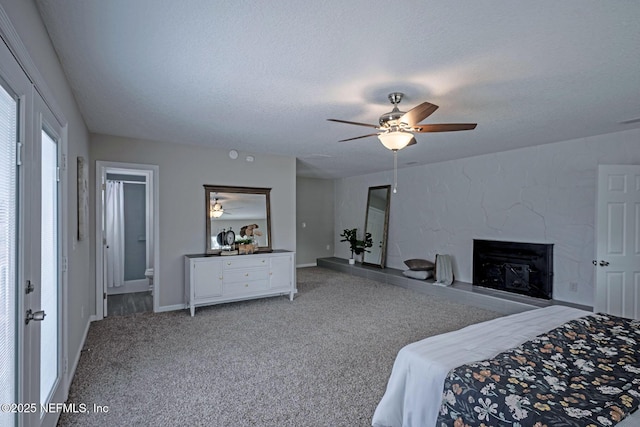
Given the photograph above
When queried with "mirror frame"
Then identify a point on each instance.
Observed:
(385, 231)
(208, 189)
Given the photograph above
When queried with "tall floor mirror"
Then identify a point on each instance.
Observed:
(377, 223)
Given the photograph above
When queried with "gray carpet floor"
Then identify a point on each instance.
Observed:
(322, 360)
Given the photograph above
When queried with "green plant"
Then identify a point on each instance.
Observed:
(244, 241)
(357, 246)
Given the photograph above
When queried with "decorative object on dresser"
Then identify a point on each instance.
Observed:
(357, 246)
(376, 223)
(247, 209)
(245, 246)
(214, 280)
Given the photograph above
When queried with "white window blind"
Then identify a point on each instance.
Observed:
(8, 229)
(49, 266)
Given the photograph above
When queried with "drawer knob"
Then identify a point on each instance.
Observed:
(246, 274)
(246, 285)
(263, 261)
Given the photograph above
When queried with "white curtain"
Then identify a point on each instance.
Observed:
(115, 233)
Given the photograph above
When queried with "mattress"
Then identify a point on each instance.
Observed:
(414, 391)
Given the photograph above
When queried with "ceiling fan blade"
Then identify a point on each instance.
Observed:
(444, 127)
(358, 137)
(412, 142)
(418, 114)
(353, 123)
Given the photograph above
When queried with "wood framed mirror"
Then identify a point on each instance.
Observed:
(245, 211)
(377, 223)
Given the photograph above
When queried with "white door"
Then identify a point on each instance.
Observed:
(10, 326)
(43, 301)
(618, 241)
(31, 251)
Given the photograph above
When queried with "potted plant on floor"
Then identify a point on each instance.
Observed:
(357, 246)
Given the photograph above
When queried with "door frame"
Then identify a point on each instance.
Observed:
(152, 202)
(45, 121)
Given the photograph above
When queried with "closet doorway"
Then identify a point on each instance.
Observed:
(126, 235)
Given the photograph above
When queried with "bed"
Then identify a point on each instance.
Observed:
(414, 392)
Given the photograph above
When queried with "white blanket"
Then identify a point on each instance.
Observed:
(444, 270)
(414, 391)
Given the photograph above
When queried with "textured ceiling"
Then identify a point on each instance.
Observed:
(263, 76)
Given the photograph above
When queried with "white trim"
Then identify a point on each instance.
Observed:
(151, 172)
(311, 264)
(170, 307)
(72, 369)
(127, 182)
(130, 286)
(64, 186)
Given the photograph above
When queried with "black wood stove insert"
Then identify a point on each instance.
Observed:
(522, 268)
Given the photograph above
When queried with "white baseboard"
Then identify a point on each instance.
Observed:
(130, 286)
(71, 371)
(311, 264)
(171, 308)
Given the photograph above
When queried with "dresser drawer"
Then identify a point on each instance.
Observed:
(241, 288)
(247, 261)
(232, 276)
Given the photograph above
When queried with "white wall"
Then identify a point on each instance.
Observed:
(183, 170)
(543, 194)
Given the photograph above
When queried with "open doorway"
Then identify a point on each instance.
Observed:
(126, 236)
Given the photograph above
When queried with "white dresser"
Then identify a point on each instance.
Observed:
(218, 279)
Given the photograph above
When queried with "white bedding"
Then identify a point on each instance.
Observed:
(414, 391)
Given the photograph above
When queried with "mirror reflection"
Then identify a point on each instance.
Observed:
(376, 223)
(237, 215)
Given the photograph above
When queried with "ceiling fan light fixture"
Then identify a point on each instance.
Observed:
(216, 211)
(396, 140)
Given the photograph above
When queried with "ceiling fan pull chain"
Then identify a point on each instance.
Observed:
(395, 171)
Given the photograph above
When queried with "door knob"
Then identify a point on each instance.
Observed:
(603, 263)
(37, 316)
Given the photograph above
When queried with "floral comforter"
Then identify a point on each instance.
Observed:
(583, 373)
